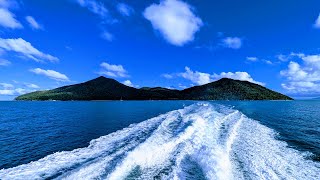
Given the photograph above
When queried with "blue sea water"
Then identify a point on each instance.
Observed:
(160, 140)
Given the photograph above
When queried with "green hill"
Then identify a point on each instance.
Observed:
(229, 89)
(103, 88)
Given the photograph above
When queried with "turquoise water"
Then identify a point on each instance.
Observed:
(160, 139)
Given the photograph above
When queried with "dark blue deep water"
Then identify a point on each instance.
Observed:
(32, 130)
(160, 139)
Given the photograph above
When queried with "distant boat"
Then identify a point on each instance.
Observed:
(121, 99)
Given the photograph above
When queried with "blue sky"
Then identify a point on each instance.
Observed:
(169, 43)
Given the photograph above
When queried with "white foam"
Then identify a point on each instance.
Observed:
(160, 147)
(261, 156)
(220, 143)
(60, 162)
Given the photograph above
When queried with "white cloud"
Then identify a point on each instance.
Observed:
(294, 72)
(170, 87)
(10, 90)
(14, 92)
(33, 86)
(125, 9)
(195, 76)
(128, 83)
(33, 23)
(256, 59)
(292, 55)
(168, 76)
(107, 36)
(68, 48)
(98, 8)
(25, 48)
(113, 70)
(317, 23)
(6, 85)
(282, 57)
(108, 73)
(7, 92)
(4, 62)
(304, 77)
(95, 7)
(252, 59)
(303, 87)
(312, 61)
(8, 20)
(232, 42)
(243, 76)
(200, 78)
(51, 74)
(299, 55)
(20, 91)
(175, 20)
(268, 62)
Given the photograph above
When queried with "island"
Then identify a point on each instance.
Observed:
(103, 88)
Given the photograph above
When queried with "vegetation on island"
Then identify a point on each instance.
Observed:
(103, 88)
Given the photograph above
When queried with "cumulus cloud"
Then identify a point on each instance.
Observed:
(195, 76)
(317, 23)
(33, 23)
(4, 62)
(201, 78)
(112, 70)
(25, 48)
(175, 20)
(125, 9)
(303, 77)
(232, 42)
(51, 74)
(8, 20)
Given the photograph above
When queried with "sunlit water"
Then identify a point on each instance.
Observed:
(160, 140)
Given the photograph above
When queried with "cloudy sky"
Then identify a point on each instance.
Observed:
(169, 43)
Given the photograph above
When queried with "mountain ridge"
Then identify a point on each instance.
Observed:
(103, 88)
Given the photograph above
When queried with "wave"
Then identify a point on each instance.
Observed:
(201, 141)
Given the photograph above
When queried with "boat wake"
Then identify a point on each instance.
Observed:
(201, 141)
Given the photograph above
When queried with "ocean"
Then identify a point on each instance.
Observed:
(160, 140)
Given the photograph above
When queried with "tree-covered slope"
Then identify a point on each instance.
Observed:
(100, 88)
(103, 88)
(229, 89)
